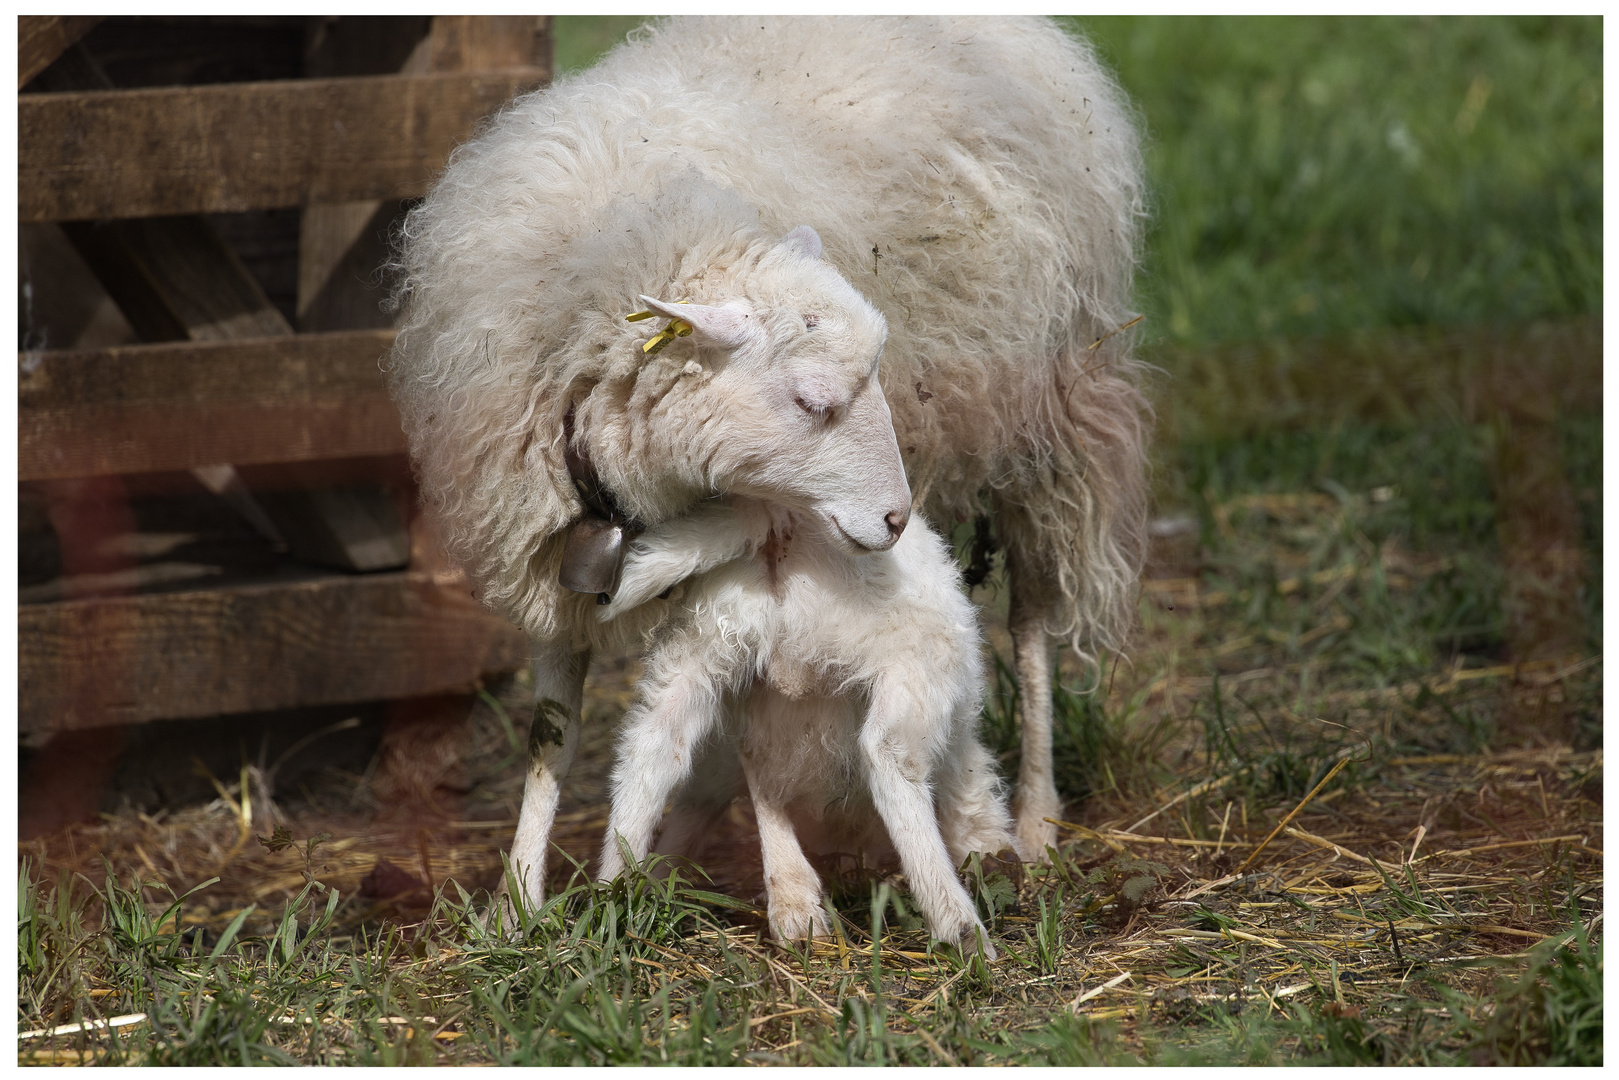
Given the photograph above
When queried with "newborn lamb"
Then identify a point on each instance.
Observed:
(854, 681)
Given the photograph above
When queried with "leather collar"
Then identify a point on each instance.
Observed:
(598, 500)
(593, 556)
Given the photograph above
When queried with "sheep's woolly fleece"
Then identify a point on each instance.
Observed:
(979, 181)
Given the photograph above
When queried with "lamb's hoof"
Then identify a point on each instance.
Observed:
(795, 923)
(969, 940)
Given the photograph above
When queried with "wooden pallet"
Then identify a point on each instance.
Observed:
(224, 387)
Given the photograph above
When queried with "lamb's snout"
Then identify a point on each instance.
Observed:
(897, 521)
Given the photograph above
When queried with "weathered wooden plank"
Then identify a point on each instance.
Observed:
(130, 659)
(341, 249)
(144, 408)
(245, 146)
(490, 42)
(43, 38)
(341, 245)
(174, 278)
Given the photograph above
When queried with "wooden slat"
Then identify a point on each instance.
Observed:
(121, 660)
(174, 278)
(487, 42)
(43, 38)
(341, 245)
(246, 146)
(144, 408)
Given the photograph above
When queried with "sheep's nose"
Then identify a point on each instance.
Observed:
(897, 521)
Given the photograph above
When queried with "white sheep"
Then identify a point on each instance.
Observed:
(851, 682)
(978, 180)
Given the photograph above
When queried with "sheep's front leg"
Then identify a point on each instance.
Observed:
(655, 752)
(559, 684)
(894, 746)
(1032, 655)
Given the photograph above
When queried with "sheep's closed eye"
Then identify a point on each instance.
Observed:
(816, 409)
(818, 399)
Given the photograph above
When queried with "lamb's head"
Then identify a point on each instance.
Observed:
(777, 395)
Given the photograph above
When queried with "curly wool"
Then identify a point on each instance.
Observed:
(979, 181)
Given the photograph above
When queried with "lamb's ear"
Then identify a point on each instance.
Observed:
(805, 241)
(727, 327)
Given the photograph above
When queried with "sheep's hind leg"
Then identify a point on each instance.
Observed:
(1032, 656)
(559, 682)
(972, 810)
(893, 744)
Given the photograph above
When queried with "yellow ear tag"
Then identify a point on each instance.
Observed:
(676, 328)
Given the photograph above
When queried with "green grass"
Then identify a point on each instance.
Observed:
(1424, 491)
(1316, 175)
(582, 39)
(646, 972)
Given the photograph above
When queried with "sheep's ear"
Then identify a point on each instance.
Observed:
(805, 241)
(727, 327)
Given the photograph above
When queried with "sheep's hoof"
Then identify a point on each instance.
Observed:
(502, 912)
(797, 922)
(1033, 838)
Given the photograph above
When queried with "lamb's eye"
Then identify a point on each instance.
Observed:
(820, 412)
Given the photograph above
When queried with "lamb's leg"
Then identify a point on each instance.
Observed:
(792, 886)
(661, 736)
(894, 746)
(1032, 655)
(559, 686)
(716, 778)
(667, 554)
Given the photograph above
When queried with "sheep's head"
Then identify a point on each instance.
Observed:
(777, 396)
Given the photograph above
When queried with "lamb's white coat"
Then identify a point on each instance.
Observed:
(977, 180)
(852, 683)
